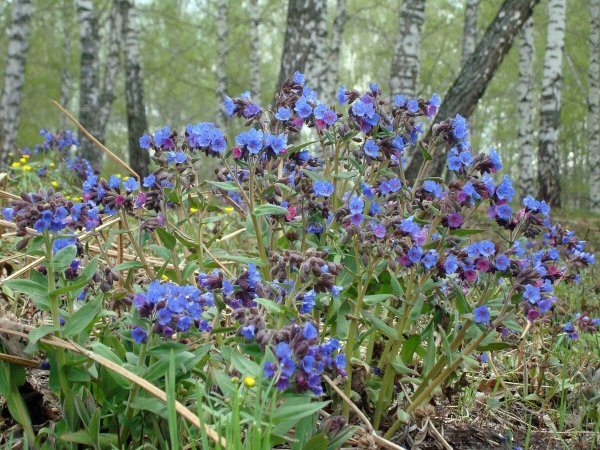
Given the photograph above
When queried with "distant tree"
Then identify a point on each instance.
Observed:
(525, 90)
(14, 76)
(469, 30)
(335, 44)
(137, 123)
(548, 150)
(89, 89)
(594, 106)
(111, 71)
(476, 74)
(222, 33)
(305, 41)
(66, 77)
(255, 49)
(406, 61)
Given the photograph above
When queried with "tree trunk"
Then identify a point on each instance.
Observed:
(333, 62)
(594, 106)
(137, 123)
(221, 91)
(469, 31)
(476, 74)
(88, 84)
(66, 78)
(10, 101)
(255, 50)
(406, 62)
(304, 42)
(525, 90)
(111, 71)
(548, 148)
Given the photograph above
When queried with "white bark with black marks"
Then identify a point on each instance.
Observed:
(406, 62)
(475, 76)
(111, 71)
(89, 91)
(525, 91)
(66, 77)
(548, 146)
(223, 47)
(255, 50)
(469, 30)
(137, 123)
(14, 76)
(594, 107)
(333, 62)
(305, 42)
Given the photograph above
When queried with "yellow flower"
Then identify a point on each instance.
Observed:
(52, 165)
(165, 278)
(249, 382)
(125, 178)
(26, 156)
(193, 210)
(68, 197)
(118, 175)
(26, 168)
(22, 160)
(77, 199)
(228, 209)
(54, 184)
(16, 164)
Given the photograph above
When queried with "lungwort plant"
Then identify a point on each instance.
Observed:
(307, 279)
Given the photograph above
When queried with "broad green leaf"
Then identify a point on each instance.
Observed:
(37, 292)
(166, 238)
(63, 258)
(376, 298)
(269, 304)
(269, 210)
(83, 317)
(224, 185)
(127, 265)
(297, 412)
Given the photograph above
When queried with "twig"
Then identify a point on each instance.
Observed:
(439, 436)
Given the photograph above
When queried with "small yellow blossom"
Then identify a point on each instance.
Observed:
(125, 178)
(52, 165)
(77, 199)
(249, 382)
(118, 175)
(26, 156)
(228, 209)
(22, 160)
(16, 164)
(164, 278)
(26, 168)
(193, 210)
(68, 197)
(54, 184)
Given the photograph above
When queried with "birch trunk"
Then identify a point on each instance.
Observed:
(304, 42)
(14, 76)
(255, 50)
(475, 76)
(88, 84)
(525, 90)
(66, 78)
(594, 106)
(548, 147)
(221, 91)
(333, 62)
(406, 62)
(111, 71)
(470, 30)
(137, 123)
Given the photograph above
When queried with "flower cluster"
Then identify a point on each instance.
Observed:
(174, 308)
(582, 323)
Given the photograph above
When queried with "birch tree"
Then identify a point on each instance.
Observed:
(548, 149)
(111, 71)
(221, 91)
(594, 106)
(476, 74)
(335, 45)
(89, 91)
(305, 42)
(137, 123)
(525, 90)
(14, 76)
(66, 78)
(255, 49)
(469, 30)
(406, 62)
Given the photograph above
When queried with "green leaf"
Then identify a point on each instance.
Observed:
(83, 317)
(127, 265)
(409, 347)
(63, 258)
(296, 411)
(317, 442)
(224, 185)
(269, 304)
(86, 275)
(396, 287)
(37, 292)
(297, 148)
(342, 437)
(462, 304)
(37, 334)
(269, 210)
(244, 365)
(464, 232)
(171, 400)
(346, 175)
(166, 238)
(493, 346)
(399, 367)
(425, 153)
(380, 325)
(371, 300)
(415, 312)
